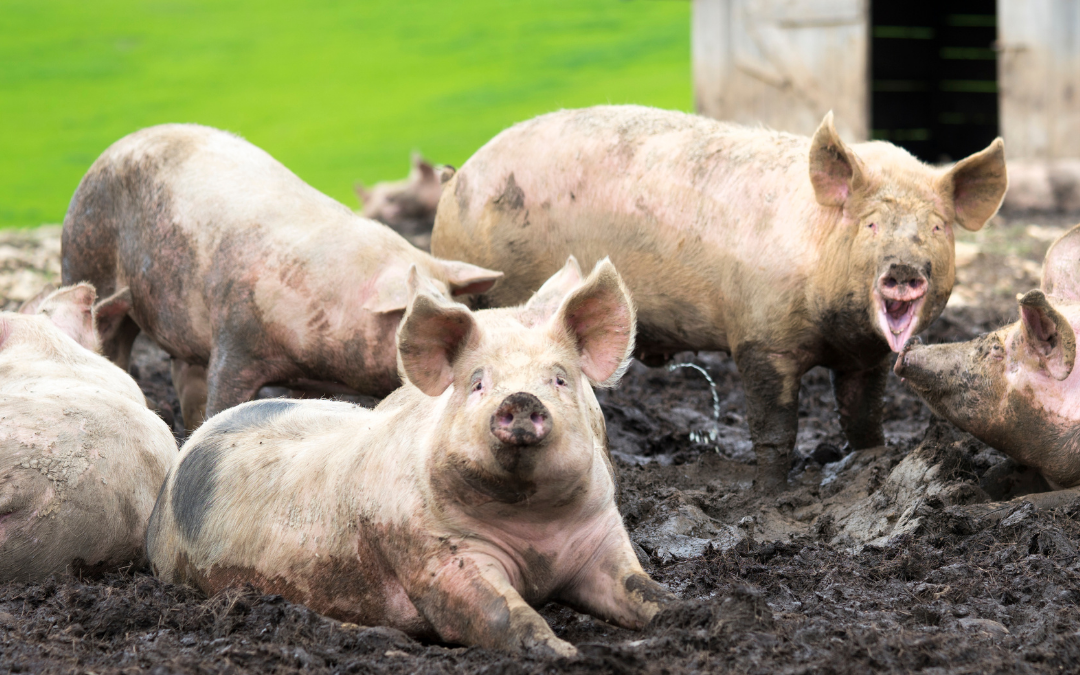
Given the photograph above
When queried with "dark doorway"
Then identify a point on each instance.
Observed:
(934, 76)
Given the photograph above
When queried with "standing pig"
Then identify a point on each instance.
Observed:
(243, 273)
(787, 252)
(1016, 389)
(81, 457)
(407, 205)
(480, 487)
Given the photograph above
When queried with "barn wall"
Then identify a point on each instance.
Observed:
(783, 63)
(1039, 45)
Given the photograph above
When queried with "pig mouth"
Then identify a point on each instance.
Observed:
(898, 318)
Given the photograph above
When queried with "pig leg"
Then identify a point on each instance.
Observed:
(771, 383)
(475, 604)
(860, 401)
(189, 380)
(615, 588)
(117, 346)
(235, 377)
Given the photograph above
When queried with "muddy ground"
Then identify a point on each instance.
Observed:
(904, 558)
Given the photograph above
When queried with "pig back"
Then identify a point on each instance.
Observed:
(271, 493)
(702, 219)
(80, 468)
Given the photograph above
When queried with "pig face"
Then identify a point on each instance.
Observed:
(518, 417)
(1010, 388)
(898, 258)
(415, 197)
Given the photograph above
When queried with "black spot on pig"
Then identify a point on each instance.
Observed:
(512, 197)
(253, 415)
(195, 486)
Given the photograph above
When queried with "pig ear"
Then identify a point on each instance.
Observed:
(423, 168)
(362, 192)
(548, 297)
(71, 309)
(598, 317)
(1047, 335)
(446, 172)
(466, 279)
(835, 171)
(111, 312)
(976, 185)
(430, 338)
(32, 305)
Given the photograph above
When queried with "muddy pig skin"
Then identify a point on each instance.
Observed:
(243, 273)
(480, 487)
(786, 252)
(410, 202)
(81, 457)
(1016, 389)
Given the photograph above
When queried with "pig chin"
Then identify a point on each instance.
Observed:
(897, 318)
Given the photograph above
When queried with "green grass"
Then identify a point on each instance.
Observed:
(338, 91)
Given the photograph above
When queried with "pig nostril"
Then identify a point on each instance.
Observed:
(537, 418)
(889, 283)
(506, 419)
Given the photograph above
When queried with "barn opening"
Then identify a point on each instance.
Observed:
(934, 76)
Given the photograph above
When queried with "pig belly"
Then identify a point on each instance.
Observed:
(346, 590)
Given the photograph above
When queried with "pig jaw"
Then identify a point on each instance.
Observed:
(898, 308)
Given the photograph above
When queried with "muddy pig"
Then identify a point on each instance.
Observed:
(480, 487)
(81, 457)
(1016, 389)
(787, 252)
(243, 273)
(407, 205)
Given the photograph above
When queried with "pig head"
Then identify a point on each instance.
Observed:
(410, 202)
(1016, 388)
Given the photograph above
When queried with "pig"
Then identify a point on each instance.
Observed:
(480, 487)
(786, 252)
(243, 273)
(407, 205)
(81, 456)
(1016, 389)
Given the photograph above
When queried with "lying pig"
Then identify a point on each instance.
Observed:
(243, 273)
(787, 252)
(81, 457)
(480, 487)
(407, 205)
(1016, 389)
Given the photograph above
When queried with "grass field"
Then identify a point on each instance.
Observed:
(338, 91)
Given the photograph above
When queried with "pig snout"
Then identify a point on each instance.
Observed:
(901, 291)
(906, 358)
(521, 419)
(902, 283)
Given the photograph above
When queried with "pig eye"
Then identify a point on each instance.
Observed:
(560, 381)
(872, 227)
(937, 228)
(477, 381)
(478, 385)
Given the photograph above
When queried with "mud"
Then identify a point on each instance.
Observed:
(907, 557)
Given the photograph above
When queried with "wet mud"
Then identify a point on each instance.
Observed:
(933, 553)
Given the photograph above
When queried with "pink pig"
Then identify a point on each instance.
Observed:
(1016, 389)
(480, 487)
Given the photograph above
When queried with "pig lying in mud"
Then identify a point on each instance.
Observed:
(243, 273)
(787, 252)
(1016, 389)
(480, 487)
(407, 204)
(81, 457)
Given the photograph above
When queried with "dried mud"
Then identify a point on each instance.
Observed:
(910, 557)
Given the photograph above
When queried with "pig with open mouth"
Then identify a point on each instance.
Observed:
(1016, 388)
(786, 252)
